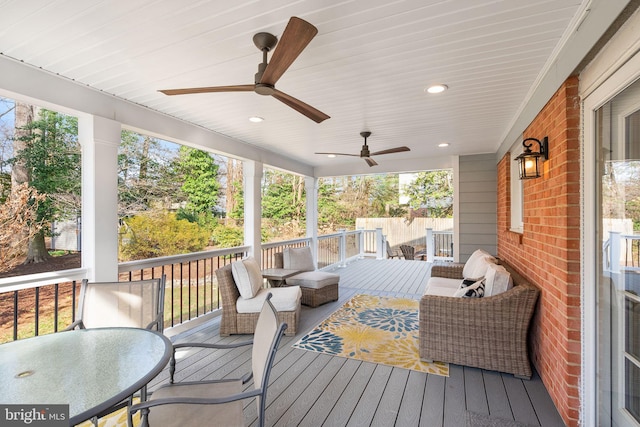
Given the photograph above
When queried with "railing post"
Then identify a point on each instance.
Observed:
(430, 245)
(360, 242)
(380, 244)
(342, 247)
(615, 240)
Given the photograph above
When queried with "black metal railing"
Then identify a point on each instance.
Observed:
(45, 303)
(191, 286)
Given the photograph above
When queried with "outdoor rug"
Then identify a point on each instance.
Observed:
(374, 329)
(115, 419)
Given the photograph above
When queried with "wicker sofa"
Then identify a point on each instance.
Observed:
(233, 322)
(488, 333)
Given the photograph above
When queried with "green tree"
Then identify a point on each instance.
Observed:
(384, 196)
(330, 211)
(283, 196)
(199, 180)
(50, 155)
(432, 190)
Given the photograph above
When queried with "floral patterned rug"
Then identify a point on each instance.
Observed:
(373, 329)
(115, 419)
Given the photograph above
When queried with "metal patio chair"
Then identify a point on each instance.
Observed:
(137, 304)
(199, 403)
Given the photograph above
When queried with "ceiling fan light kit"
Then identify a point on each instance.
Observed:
(366, 154)
(295, 38)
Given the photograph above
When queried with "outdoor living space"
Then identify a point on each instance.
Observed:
(310, 388)
(533, 108)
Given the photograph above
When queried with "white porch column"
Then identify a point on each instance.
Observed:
(456, 208)
(381, 244)
(430, 245)
(252, 183)
(311, 190)
(99, 139)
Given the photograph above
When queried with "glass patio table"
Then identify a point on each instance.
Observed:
(89, 369)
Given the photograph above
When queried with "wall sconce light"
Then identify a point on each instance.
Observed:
(530, 162)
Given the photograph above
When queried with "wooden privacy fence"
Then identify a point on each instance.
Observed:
(401, 231)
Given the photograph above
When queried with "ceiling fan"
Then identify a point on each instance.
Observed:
(366, 154)
(297, 35)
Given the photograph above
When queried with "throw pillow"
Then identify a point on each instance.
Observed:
(476, 266)
(498, 280)
(474, 290)
(298, 259)
(248, 277)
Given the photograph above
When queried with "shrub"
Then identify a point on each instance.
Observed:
(151, 236)
(18, 224)
(226, 236)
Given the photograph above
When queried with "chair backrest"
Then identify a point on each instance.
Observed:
(278, 259)
(390, 252)
(229, 292)
(266, 339)
(138, 304)
(407, 251)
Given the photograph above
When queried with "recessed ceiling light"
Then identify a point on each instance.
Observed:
(443, 144)
(331, 155)
(437, 88)
(255, 119)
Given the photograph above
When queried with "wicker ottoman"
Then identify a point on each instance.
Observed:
(318, 287)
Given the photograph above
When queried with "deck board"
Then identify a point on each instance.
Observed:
(366, 408)
(312, 389)
(432, 414)
(409, 411)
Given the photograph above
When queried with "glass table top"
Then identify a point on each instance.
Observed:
(90, 369)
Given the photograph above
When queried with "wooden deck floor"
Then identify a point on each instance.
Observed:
(312, 389)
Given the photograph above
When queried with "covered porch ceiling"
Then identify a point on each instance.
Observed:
(367, 68)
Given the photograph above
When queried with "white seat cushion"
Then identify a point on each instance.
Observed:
(442, 291)
(283, 299)
(442, 286)
(497, 280)
(313, 279)
(298, 259)
(246, 273)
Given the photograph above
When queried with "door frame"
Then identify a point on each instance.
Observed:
(612, 86)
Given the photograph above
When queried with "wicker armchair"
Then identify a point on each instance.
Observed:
(233, 322)
(488, 333)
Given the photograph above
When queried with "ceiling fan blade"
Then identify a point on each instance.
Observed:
(306, 109)
(295, 38)
(391, 150)
(341, 154)
(370, 162)
(235, 88)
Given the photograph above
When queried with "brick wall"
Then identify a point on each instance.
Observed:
(548, 251)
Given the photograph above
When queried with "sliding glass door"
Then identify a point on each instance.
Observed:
(618, 291)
